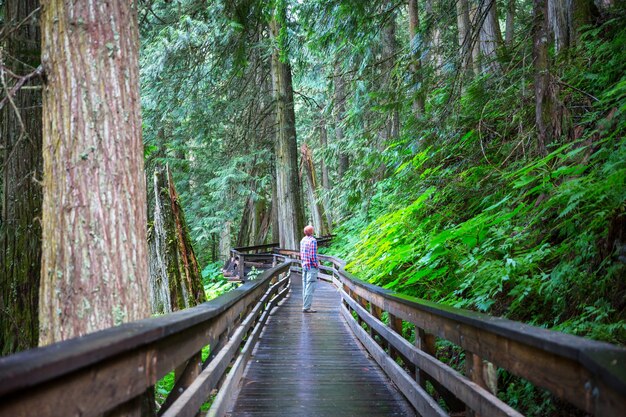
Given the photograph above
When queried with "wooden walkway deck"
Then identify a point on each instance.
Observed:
(312, 365)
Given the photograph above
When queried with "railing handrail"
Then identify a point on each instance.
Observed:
(567, 345)
(605, 363)
(244, 249)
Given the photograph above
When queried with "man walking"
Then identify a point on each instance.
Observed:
(310, 268)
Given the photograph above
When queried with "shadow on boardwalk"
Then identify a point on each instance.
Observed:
(311, 365)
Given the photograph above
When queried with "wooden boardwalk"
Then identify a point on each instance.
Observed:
(309, 365)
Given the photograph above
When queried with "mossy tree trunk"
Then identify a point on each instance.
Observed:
(543, 102)
(339, 110)
(490, 36)
(419, 103)
(288, 191)
(94, 256)
(20, 224)
(175, 279)
(510, 23)
(316, 208)
(464, 34)
(326, 184)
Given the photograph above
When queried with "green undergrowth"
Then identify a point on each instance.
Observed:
(214, 282)
(471, 216)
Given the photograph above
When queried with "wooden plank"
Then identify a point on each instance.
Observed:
(325, 277)
(424, 404)
(224, 398)
(312, 365)
(469, 392)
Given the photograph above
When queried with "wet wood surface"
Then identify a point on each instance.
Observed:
(312, 365)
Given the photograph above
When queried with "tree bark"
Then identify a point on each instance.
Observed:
(434, 37)
(225, 245)
(510, 23)
(288, 190)
(490, 36)
(476, 22)
(390, 48)
(326, 186)
(175, 280)
(158, 248)
(565, 18)
(94, 264)
(322, 228)
(20, 226)
(416, 62)
(558, 17)
(464, 33)
(274, 214)
(543, 105)
(339, 111)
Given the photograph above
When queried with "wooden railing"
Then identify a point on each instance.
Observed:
(256, 256)
(588, 374)
(111, 371)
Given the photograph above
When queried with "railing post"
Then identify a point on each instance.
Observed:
(395, 323)
(242, 268)
(376, 312)
(426, 342)
(363, 302)
(482, 373)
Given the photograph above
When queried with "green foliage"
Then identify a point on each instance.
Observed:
(253, 273)
(458, 206)
(529, 238)
(214, 282)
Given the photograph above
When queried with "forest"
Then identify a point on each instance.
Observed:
(466, 152)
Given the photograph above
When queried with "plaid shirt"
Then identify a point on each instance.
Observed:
(308, 253)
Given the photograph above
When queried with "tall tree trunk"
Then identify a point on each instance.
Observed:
(325, 174)
(20, 226)
(490, 36)
(244, 226)
(340, 110)
(390, 48)
(416, 61)
(510, 23)
(543, 105)
(464, 33)
(434, 37)
(476, 22)
(316, 208)
(274, 215)
(565, 18)
(224, 251)
(288, 190)
(94, 258)
(558, 17)
(158, 249)
(175, 280)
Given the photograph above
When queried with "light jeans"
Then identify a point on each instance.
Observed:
(309, 281)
